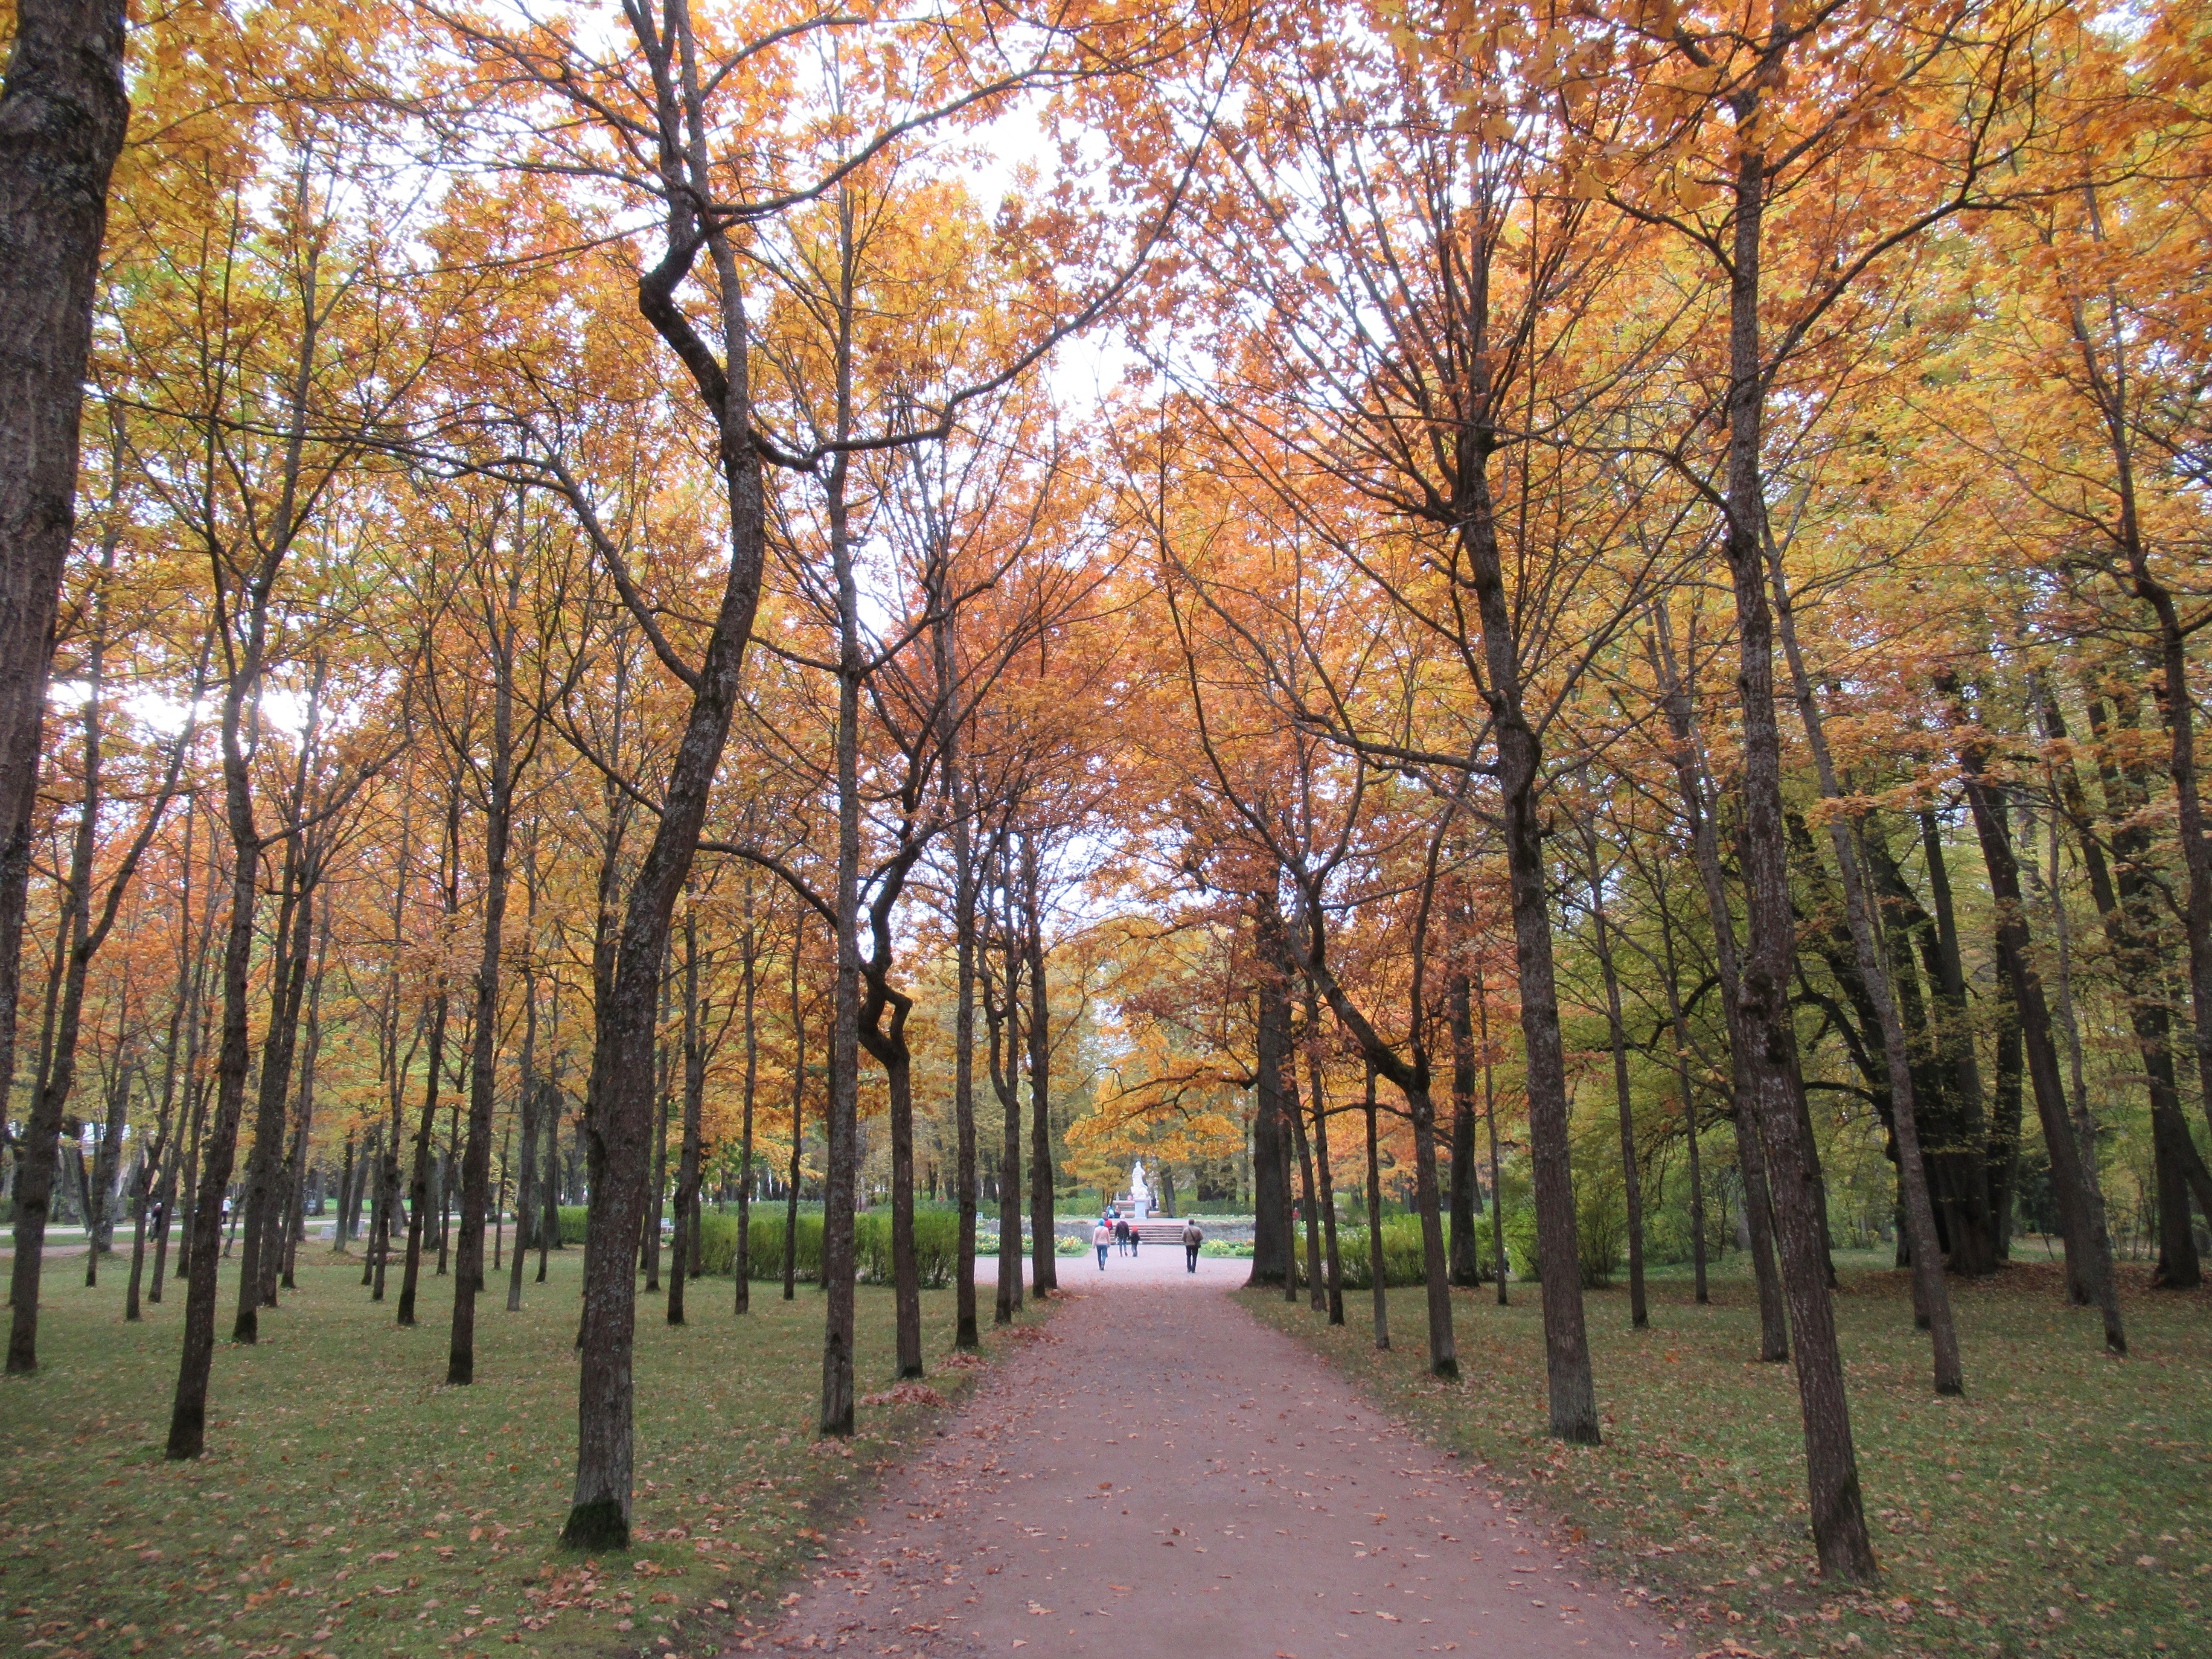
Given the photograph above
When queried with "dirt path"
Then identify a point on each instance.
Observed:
(1161, 1474)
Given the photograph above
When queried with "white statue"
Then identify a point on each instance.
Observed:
(1140, 1192)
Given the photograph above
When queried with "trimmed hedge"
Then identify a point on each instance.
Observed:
(936, 1243)
(1401, 1253)
(936, 1246)
(718, 1244)
(1402, 1263)
(765, 1247)
(1599, 1238)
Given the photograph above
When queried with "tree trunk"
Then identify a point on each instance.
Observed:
(1571, 1389)
(967, 1334)
(1933, 1297)
(548, 1186)
(81, 936)
(647, 1247)
(1466, 1249)
(890, 1051)
(2088, 1250)
(483, 1060)
(1284, 1150)
(1411, 1077)
(148, 1168)
(247, 654)
(2129, 915)
(99, 1218)
(798, 1124)
(287, 984)
(2109, 384)
(695, 1100)
(1631, 1176)
(1443, 1346)
(1272, 1242)
(177, 1192)
(1750, 1142)
(620, 1115)
(1375, 1223)
(1003, 1022)
(419, 1197)
(185, 1176)
(188, 1411)
(346, 1215)
(1768, 1060)
(1680, 1026)
(371, 1181)
(63, 113)
(743, 1265)
(1044, 1271)
(528, 1088)
(419, 1205)
(1955, 1036)
(1332, 1262)
(303, 1131)
(841, 1124)
(1317, 1284)
(441, 1178)
(1490, 1117)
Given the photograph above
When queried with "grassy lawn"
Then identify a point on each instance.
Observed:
(351, 1504)
(2063, 1507)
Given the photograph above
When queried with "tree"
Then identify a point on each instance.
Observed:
(62, 112)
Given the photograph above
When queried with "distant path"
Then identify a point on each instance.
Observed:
(1161, 1476)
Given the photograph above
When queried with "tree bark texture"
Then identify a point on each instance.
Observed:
(1466, 1247)
(483, 1060)
(1044, 1261)
(1750, 1139)
(1271, 1242)
(695, 1100)
(2089, 1253)
(62, 114)
(1762, 997)
(1332, 1262)
(1381, 1297)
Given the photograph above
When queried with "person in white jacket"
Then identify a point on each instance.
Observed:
(1102, 1235)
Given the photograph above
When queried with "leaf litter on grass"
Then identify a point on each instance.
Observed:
(351, 1503)
(2061, 1507)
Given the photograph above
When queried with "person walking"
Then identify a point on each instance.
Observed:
(1101, 1237)
(1192, 1237)
(1121, 1235)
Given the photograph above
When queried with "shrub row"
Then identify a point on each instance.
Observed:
(937, 1236)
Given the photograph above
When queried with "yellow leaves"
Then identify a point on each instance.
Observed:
(1693, 196)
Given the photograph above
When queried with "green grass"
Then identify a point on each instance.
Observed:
(352, 1505)
(2062, 1508)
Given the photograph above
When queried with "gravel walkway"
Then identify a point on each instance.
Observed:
(1158, 1474)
